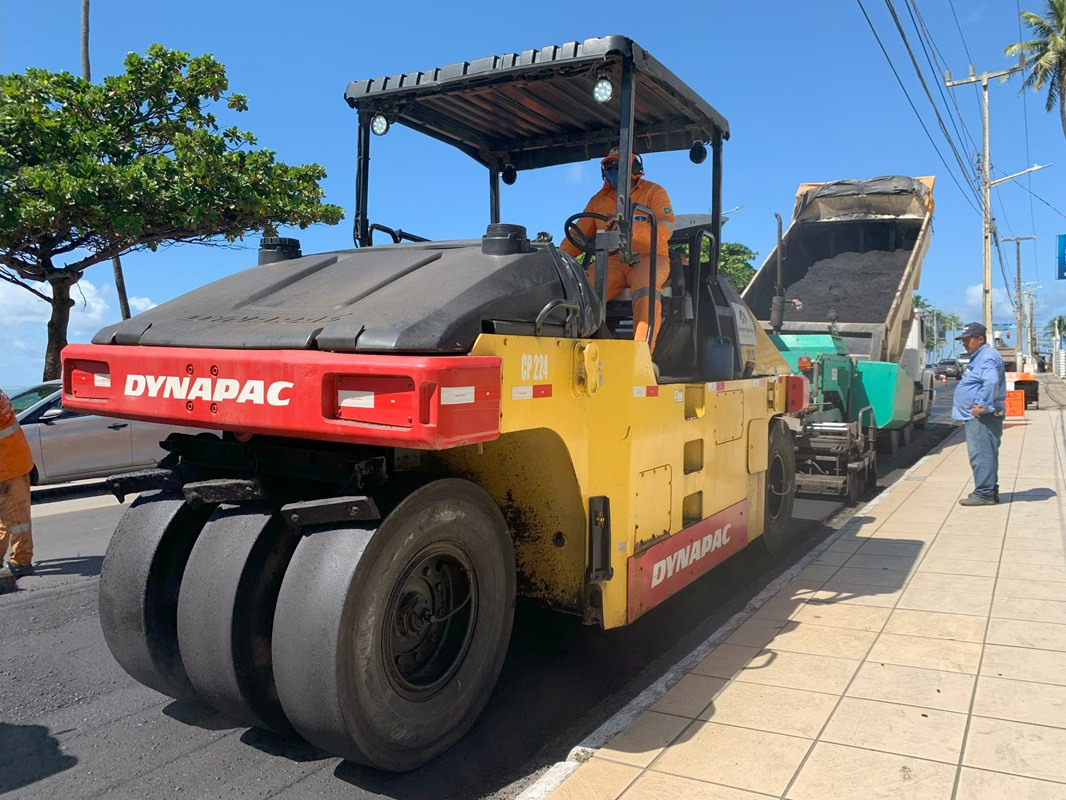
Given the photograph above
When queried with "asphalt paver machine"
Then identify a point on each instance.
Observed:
(416, 432)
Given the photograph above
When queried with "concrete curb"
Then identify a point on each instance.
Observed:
(561, 770)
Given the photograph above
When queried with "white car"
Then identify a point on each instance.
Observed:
(68, 445)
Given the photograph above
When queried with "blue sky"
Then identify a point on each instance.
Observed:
(805, 86)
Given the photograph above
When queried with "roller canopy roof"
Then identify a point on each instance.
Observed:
(535, 108)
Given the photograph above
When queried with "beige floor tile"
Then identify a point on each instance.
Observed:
(690, 695)
(963, 552)
(1030, 589)
(904, 529)
(977, 585)
(658, 786)
(743, 758)
(1050, 544)
(890, 578)
(1035, 572)
(1021, 701)
(844, 546)
(932, 599)
(956, 566)
(817, 572)
(803, 637)
(771, 708)
(893, 728)
(843, 615)
(644, 738)
(1022, 633)
(837, 772)
(596, 780)
(760, 631)
(1032, 610)
(1024, 664)
(928, 688)
(976, 527)
(831, 559)
(936, 625)
(1039, 557)
(783, 608)
(901, 547)
(858, 594)
(779, 668)
(898, 563)
(919, 651)
(979, 784)
(1018, 748)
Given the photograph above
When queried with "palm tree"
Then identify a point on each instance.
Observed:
(86, 72)
(1045, 56)
(1050, 330)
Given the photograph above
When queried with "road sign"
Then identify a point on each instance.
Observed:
(1061, 272)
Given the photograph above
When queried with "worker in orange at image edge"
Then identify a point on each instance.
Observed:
(16, 462)
(621, 276)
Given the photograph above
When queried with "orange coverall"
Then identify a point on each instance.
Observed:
(621, 276)
(16, 461)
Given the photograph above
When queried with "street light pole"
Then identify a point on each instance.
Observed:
(1018, 289)
(986, 180)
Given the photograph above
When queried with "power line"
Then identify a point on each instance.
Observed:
(925, 86)
(913, 108)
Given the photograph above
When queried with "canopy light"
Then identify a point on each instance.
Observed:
(697, 154)
(603, 90)
(509, 174)
(379, 126)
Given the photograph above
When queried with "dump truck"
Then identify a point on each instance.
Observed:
(836, 295)
(415, 432)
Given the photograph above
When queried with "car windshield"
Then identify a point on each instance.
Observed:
(24, 398)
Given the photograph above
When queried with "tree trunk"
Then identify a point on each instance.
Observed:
(120, 287)
(57, 327)
(85, 72)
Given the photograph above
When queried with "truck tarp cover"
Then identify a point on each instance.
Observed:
(888, 196)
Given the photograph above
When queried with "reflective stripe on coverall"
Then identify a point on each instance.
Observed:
(16, 461)
(621, 276)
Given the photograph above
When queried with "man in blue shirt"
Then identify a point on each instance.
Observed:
(980, 401)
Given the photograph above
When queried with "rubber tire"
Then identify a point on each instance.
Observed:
(330, 628)
(888, 441)
(139, 584)
(780, 495)
(226, 612)
(906, 435)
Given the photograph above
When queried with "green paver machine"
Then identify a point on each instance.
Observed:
(837, 296)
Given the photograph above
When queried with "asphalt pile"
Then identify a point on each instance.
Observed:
(859, 287)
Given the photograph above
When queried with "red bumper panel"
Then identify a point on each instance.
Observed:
(665, 568)
(429, 402)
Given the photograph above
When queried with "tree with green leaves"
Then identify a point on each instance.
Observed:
(89, 172)
(1045, 56)
(1050, 330)
(736, 264)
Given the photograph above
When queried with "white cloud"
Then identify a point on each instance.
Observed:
(973, 309)
(139, 304)
(575, 173)
(19, 306)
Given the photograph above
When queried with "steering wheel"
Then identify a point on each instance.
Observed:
(577, 237)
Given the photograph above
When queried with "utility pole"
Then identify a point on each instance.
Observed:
(1027, 295)
(986, 178)
(1018, 289)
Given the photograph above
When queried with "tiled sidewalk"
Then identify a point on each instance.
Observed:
(922, 655)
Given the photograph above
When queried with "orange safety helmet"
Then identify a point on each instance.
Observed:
(636, 164)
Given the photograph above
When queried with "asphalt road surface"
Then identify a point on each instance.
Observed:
(74, 725)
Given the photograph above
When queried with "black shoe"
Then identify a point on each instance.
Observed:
(995, 494)
(18, 570)
(974, 500)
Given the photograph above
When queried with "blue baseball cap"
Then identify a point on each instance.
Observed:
(972, 329)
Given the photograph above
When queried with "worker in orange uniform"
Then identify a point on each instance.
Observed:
(621, 276)
(16, 461)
